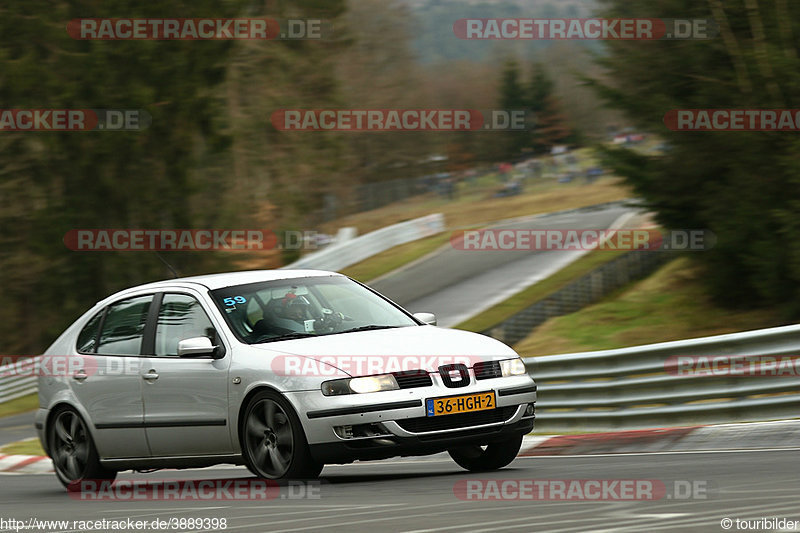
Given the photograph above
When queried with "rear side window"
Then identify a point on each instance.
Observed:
(124, 326)
(87, 338)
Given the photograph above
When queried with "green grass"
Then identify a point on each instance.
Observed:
(20, 405)
(394, 258)
(23, 447)
(538, 291)
(670, 304)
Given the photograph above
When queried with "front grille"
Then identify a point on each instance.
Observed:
(410, 379)
(487, 370)
(461, 420)
(462, 379)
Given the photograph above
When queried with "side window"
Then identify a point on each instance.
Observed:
(123, 327)
(87, 338)
(180, 317)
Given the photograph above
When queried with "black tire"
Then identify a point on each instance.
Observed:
(492, 456)
(72, 449)
(274, 444)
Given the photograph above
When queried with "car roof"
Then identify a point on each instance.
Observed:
(228, 279)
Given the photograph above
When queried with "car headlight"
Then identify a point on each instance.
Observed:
(512, 367)
(359, 385)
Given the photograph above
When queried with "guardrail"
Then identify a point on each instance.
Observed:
(634, 387)
(637, 387)
(350, 252)
(15, 384)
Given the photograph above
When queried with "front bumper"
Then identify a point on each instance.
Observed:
(366, 449)
(399, 425)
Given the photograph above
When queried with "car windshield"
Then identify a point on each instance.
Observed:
(304, 307)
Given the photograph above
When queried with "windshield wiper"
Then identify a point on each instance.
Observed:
(367, 328)
(286, 337)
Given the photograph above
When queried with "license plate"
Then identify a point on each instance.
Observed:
(466, 403)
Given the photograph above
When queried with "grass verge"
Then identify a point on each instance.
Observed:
(393, 258)
(23, 447)
(671, 304)
(20, 405)
(527, 297)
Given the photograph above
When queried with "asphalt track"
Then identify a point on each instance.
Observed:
(17, 427)
(418, 495)
(456, 284)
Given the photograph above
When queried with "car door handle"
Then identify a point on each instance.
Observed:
(152, 375)
(81, 375)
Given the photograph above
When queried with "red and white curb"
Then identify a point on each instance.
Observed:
(25, 464)
(645, 440)
(751, 436)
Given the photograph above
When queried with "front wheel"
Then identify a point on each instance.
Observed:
(273, 441)
(493, 456)
(74, 455)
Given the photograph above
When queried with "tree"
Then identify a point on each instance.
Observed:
(513, 97)
(54, 182)
(279, 179)
(378, 71)
(550, 123)
(540, 89)
(742, 186)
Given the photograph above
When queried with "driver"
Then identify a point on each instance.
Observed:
(296, 308)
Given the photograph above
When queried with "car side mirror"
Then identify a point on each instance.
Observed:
(197, 347)
(427, 318)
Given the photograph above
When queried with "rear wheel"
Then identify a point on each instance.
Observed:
(492, 456)
(273, 441)
(74, 454)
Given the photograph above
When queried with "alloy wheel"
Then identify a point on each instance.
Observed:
(70, 445)
(270, 442)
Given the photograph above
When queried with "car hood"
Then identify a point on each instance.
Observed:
(409, 348)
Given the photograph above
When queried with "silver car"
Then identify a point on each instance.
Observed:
(282, 371)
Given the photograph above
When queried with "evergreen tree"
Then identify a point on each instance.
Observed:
(550, 124)
(745, 187)
(512, 97)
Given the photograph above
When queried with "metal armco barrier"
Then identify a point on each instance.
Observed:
(13, 385)
(632, 388)
(350, 252)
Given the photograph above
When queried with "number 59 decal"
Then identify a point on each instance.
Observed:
(234, 300)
